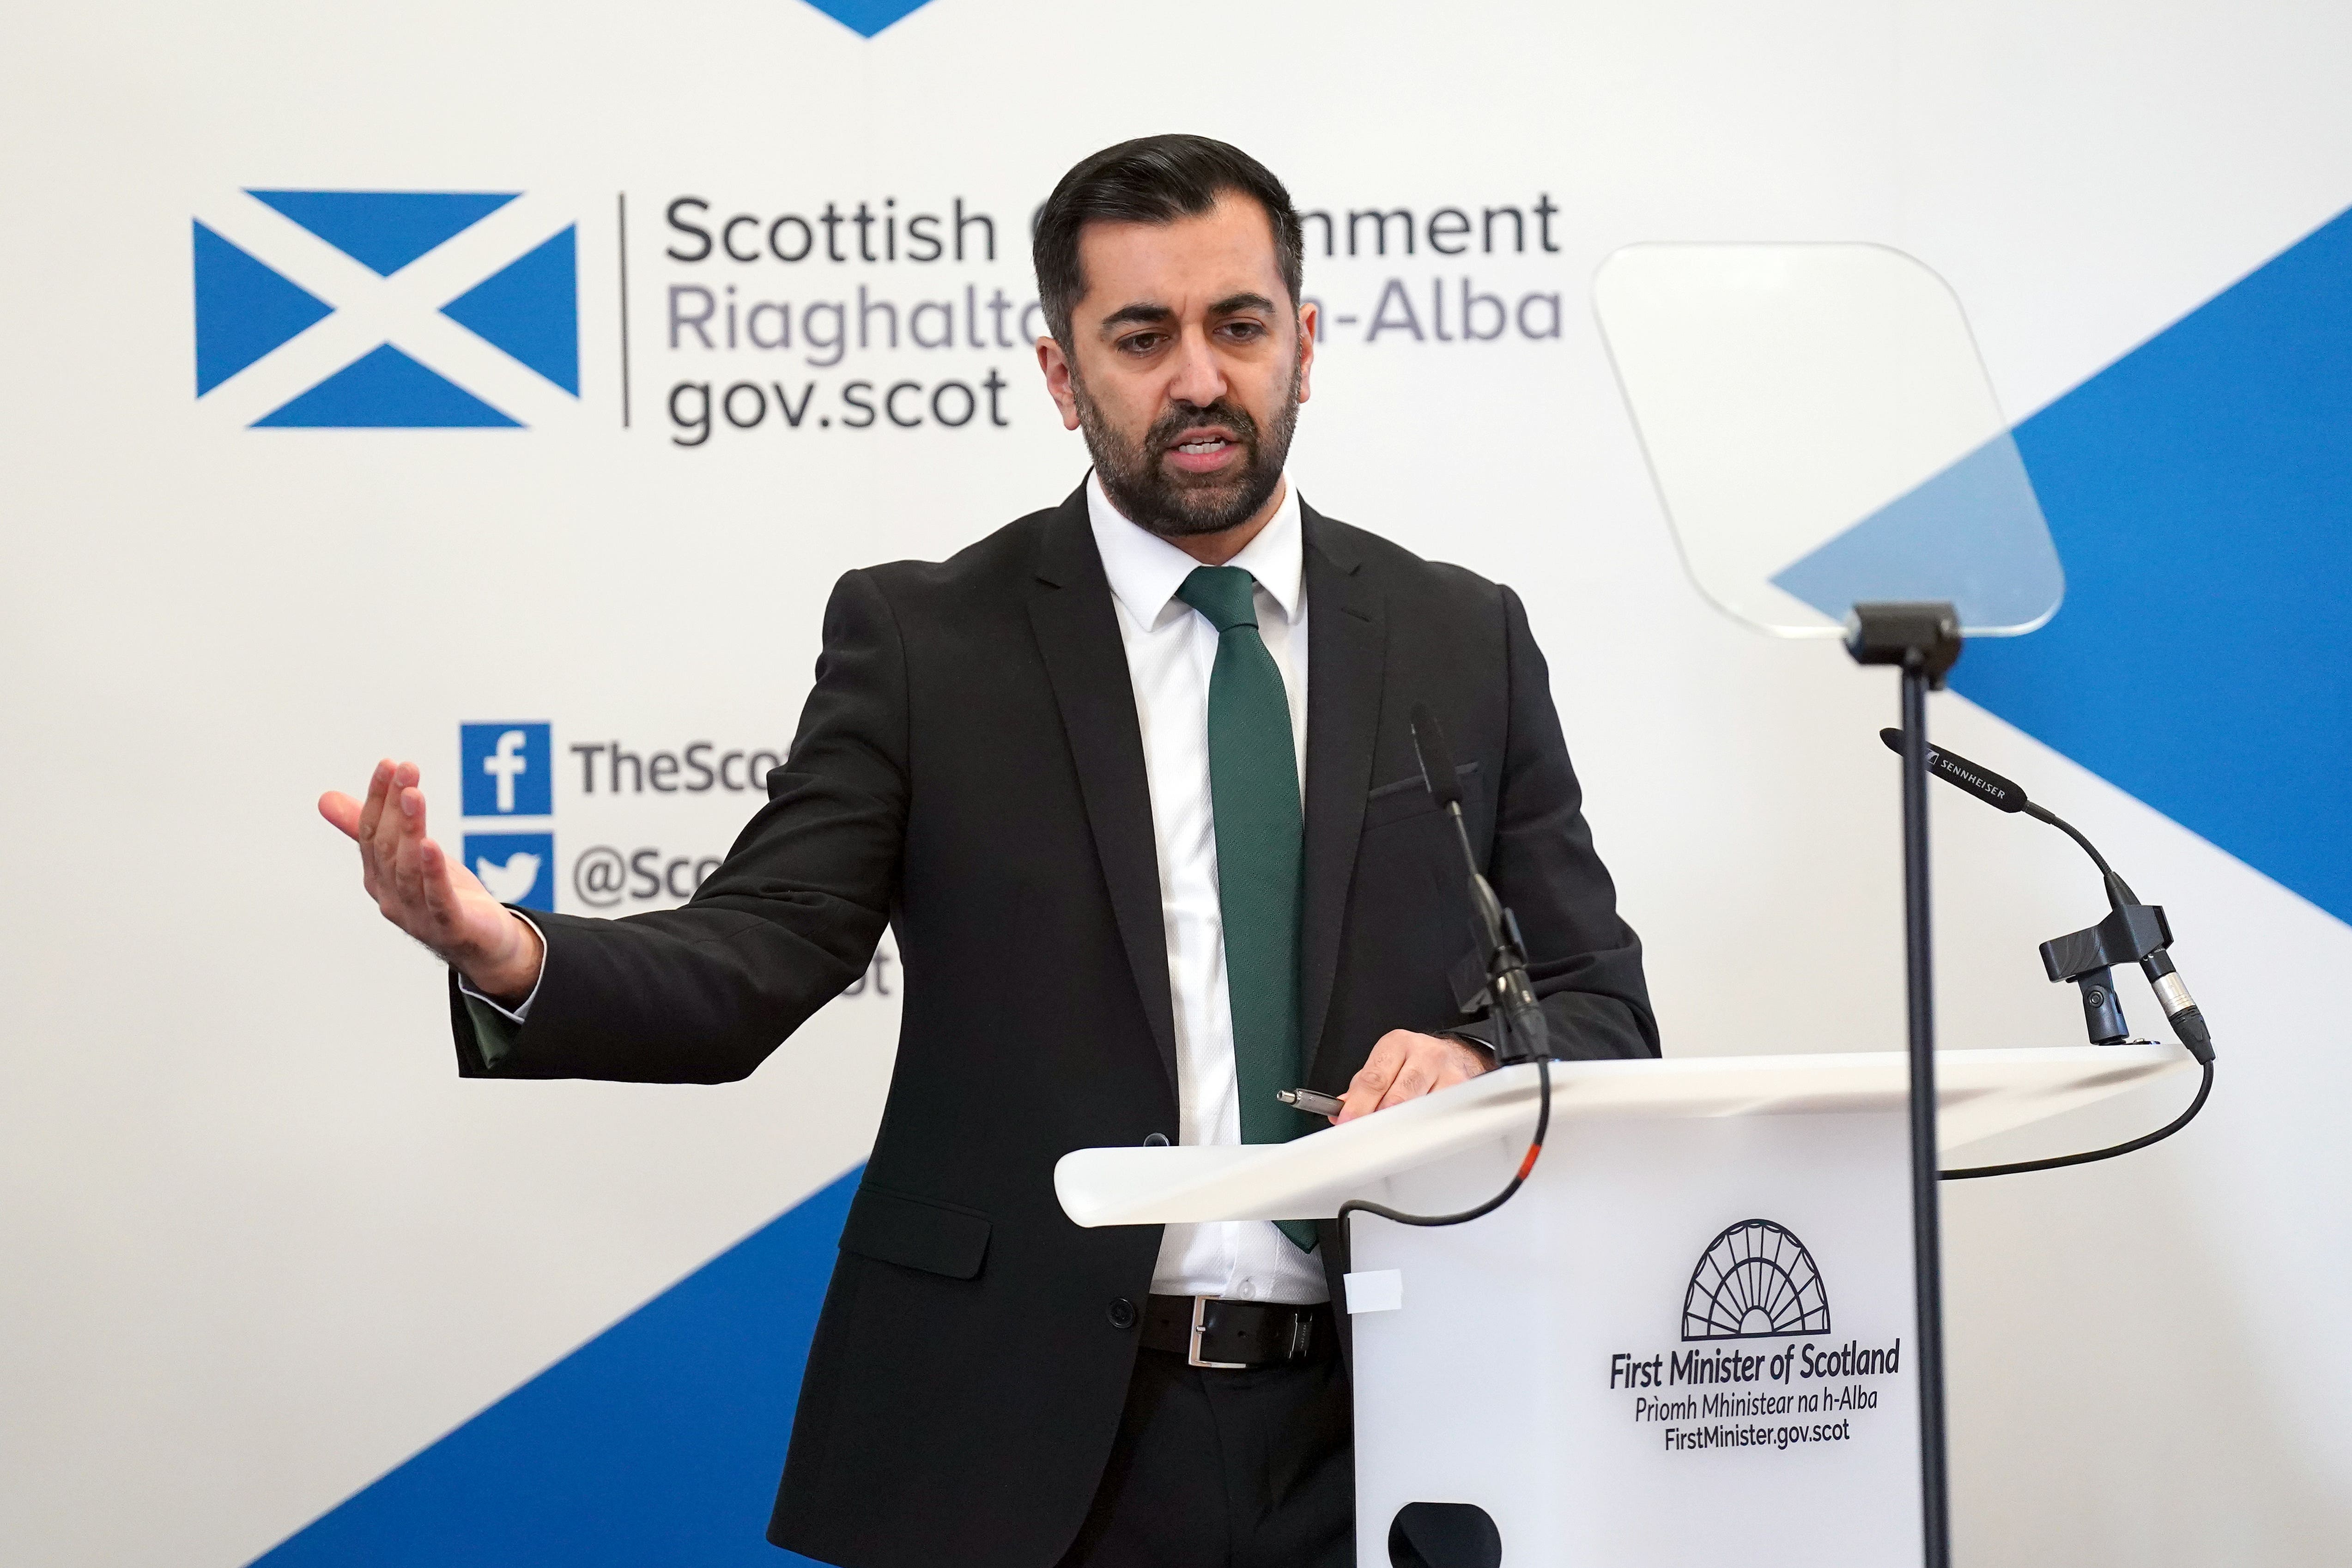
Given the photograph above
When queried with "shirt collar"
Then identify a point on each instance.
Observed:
(1146, 570)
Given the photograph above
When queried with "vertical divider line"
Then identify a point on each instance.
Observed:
(622, 199)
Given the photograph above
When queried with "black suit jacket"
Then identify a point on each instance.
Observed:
(968, 771)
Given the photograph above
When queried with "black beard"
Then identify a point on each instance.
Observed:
(1174, 507)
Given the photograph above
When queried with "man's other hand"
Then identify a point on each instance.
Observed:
(1405, 1066)
(425, 892)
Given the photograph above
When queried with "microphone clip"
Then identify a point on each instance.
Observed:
(2130, 934)
(1520, 1033)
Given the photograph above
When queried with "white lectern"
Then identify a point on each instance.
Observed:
(1683, 1342)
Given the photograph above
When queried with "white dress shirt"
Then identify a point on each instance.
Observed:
(1171, 649)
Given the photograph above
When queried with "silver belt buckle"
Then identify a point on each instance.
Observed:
(1199, 1326)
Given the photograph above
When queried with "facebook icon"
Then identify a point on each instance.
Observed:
(508, 770)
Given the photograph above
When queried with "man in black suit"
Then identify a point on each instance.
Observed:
(1063, 767)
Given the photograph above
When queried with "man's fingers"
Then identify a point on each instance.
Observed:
(390, 822)
(413, 881)
(443, 904)
(372, 810)
(1405, 1066)
(1413, 1080)
(343, 811)
(408, 860)
(397, 836)
(1456, 1066)
(1372, 1080)
(373, 873)
(433, 867)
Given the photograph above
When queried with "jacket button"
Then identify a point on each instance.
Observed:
(1122, 1313)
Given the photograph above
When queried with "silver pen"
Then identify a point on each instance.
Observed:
(1309, 1101)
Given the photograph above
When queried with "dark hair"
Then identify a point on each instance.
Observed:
(1151, 180)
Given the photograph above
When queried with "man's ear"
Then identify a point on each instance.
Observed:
(1311, 318)
(1056, 366)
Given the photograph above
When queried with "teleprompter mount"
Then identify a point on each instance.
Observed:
(1923, 640)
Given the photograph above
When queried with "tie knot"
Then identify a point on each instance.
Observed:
(1225, 595)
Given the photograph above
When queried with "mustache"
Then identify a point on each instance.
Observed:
(1171, 429)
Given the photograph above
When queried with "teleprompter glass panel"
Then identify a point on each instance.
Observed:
(1822, 433)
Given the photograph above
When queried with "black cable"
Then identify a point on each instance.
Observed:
(2119, 891)
(1519, 1027)
(1543, 1124)
(2056, 1161)
(2004, 794)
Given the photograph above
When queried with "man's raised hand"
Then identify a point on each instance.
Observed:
(425, 892)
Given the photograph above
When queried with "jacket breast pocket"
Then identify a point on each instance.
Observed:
(916, 1233)
(1407, 798)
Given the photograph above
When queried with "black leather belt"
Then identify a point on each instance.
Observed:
(1210, 1330)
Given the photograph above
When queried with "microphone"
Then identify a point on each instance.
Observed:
(1982, 782)
(1520, 1033)
(2133, 932)
(1437, 759)
(1443, 782)
(1519, 1021)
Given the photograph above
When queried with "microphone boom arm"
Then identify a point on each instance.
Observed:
(1520, 1029)
(2133, 932)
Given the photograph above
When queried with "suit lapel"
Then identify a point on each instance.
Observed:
(1078, 633)
(1346, 639)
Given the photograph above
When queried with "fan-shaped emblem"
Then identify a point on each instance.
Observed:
(1755, 1281)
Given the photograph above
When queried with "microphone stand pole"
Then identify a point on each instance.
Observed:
(1924, 640)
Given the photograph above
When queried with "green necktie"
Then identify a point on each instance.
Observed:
(1253, 795)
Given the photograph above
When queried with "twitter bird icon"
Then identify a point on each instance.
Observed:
(517, 868)
(513, 881)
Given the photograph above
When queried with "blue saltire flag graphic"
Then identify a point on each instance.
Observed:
(867, 17)
(659, 1441)
(247, 308)
(2200, 492)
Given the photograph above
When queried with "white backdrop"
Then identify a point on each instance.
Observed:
(258, 1244)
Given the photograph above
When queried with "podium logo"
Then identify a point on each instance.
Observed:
(384, 309)
(508, 770)
(1755, 1281)
(517, 868)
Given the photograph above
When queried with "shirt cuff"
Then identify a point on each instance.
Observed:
(495, 1024)
(1476, 1035)
(520, 1012)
